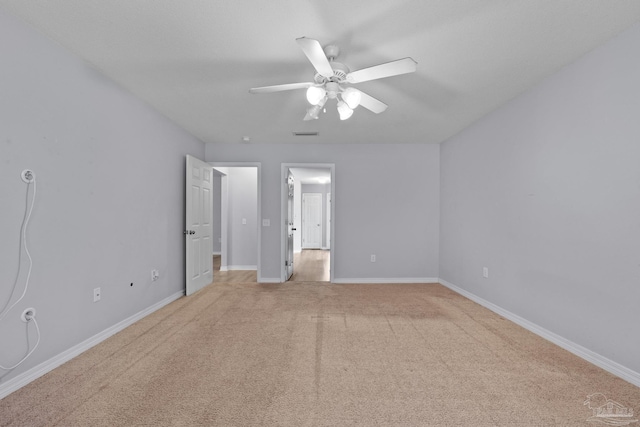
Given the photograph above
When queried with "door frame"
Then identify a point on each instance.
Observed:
(290, 226)
(257, 165)
(284, 169)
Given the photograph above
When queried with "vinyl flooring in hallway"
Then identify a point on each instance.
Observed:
(311, 265)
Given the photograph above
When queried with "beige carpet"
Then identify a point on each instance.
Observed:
(316, 354)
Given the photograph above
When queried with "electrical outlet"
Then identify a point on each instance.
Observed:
(485, 272)
(155, 274)
(96, 295)
(373, 258)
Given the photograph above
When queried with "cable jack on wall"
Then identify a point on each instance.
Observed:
(28, 176)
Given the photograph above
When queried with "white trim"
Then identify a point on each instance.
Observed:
(242, 267)
(324, 248)
(223, 268)
(584, 353)
(48, 365)
(269, 280)
(217, 253)
(370, 280)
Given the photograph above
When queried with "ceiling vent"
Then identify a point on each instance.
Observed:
(316, 133)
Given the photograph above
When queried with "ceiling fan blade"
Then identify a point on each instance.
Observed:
(315, 53)
(388, 69)
(372, 104)
(280, 88)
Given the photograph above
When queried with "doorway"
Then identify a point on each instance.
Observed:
(308, 233)
(237, 213)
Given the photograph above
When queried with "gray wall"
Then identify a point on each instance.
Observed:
(545, 192)
(110, 196)
(243, 203)
(386, 203)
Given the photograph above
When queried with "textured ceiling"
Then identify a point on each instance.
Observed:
(195, 60)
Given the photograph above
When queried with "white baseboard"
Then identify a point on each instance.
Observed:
(47, 366)
(269, 280)
(223, 268)
(370, 280)
(217, 253)
(241, 267)
(590, 356)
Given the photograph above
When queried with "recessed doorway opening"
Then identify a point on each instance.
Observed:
(307, 218)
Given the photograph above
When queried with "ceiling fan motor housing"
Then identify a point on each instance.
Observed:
(340, 72)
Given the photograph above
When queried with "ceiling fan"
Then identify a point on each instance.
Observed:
(333, 80)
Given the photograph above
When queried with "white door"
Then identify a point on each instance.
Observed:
(290, 229)
(198, 225)
(328, 238)
(311, 220)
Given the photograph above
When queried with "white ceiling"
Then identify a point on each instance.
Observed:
(195, 60)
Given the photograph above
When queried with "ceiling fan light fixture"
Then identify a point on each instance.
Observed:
(312, 112)
(344, 110)
(315, 94)
(352, 97)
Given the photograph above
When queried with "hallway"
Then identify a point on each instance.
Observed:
(311, 265)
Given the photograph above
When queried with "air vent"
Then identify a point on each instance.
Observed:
(316, 133)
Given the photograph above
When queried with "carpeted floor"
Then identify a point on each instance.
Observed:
(312, 354)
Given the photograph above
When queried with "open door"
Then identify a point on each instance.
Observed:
(198, 225)
(290, 229)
